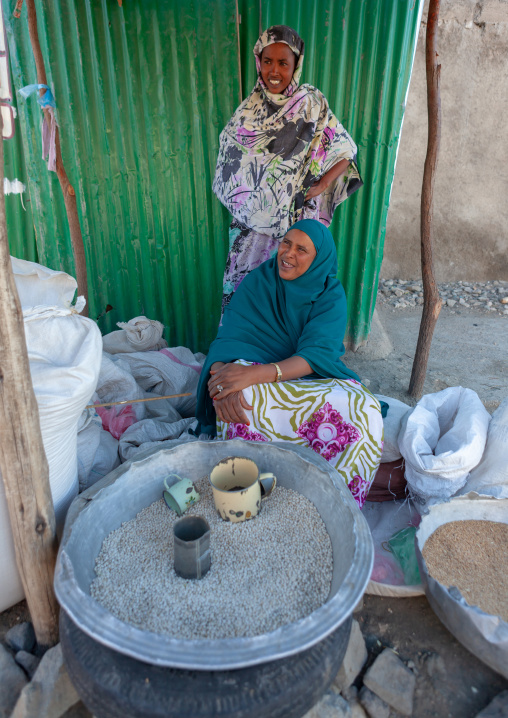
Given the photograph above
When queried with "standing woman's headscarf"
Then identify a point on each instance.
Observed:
(277, 145)
(270, 319)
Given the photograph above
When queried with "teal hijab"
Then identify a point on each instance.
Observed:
(270, 319)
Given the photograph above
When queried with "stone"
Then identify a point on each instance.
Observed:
(332, 705)
(374, 706)
(392, 681)
(398, 293)
(50, 693)
(357, 710)
(504, 300)
(451, 302)
(21, 637)
(12, 682)
(28, 662)
(354, 660)
(350, 693)
(498, 708)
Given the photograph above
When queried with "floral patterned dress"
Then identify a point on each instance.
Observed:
(339, 419)
(274, 148)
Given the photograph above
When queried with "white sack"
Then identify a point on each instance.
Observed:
(137, 335)
(391, 424)
(442, 440)
(97, 450)
(64, 351)
(11, 588)
(490, 477)
(175, 370)
(38, 285)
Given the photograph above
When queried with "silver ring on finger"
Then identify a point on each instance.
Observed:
(220, 388)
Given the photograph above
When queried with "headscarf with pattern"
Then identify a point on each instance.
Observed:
(277, 145)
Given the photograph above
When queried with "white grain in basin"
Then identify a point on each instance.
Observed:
(265, 573)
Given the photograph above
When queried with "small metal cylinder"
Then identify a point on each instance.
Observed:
(192, 547)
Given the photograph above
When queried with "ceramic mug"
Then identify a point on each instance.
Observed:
(180, 496)
(238, 488)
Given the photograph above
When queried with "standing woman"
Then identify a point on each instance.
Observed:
(283, 157)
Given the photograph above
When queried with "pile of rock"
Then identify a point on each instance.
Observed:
(488, 297)
(33, 686)
(378, 685)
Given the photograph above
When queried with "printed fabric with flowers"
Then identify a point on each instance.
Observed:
(338, 419)
(276, 145)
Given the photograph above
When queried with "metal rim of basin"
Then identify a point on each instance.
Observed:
(219, 654)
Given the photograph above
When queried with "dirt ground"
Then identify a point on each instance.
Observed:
(471, 350)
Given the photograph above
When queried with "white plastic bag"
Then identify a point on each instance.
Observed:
(137, 335)
(490, 477)
(38, 285)
(442, 440)
(64, 352)
(392, 422)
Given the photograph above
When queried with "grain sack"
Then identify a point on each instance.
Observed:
(490, 477)
(137, 335)
(442, 440)
(64, 352)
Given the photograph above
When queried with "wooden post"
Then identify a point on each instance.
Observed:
(22, 459)
(68, 192)
(431, 299)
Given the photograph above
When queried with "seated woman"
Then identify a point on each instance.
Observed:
(274, 372)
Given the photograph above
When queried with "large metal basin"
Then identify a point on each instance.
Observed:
(133, 486)
(486, 636)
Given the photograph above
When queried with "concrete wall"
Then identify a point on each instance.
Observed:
(471, 189)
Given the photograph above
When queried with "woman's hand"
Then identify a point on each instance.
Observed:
(231, 408)
(232, 378)
(315, 190)
(326, 179)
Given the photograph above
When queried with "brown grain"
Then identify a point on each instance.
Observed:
(473, 556)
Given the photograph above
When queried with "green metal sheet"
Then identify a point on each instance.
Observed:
(18, 208)
(144, 90)
(142, 93)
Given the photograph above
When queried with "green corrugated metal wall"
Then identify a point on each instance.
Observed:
(142, 93)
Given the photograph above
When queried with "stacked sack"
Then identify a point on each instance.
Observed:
(64, 351)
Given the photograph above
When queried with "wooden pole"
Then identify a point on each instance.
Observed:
(137, 401)
(431, 300)
(69, 194)
(22, 459)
